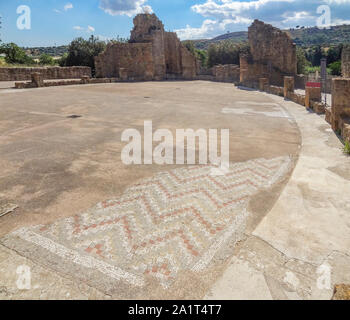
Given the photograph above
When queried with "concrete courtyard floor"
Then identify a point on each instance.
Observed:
(90, 227)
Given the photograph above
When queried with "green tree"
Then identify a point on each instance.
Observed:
(302, 62)
(334, 53)
(46, 59)
(15, 54)
(226, 52)
(335, 68)
(201, 55)
(315, 54)
(82, 52)
(63, 60)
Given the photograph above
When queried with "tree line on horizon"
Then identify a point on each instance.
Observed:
(81, 52)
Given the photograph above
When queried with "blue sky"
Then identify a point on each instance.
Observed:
(57, 22)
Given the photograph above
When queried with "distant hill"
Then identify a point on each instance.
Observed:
(302, 36)
(305, 37)
(52, 51)
(325, 37)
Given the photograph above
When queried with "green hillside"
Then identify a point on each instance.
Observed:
(305, 37)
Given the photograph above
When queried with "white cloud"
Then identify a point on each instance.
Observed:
(68, 6)
(57, 11)
(297, 17)
(125, 7)
(234, 15)
(211, 28)
(88, 29)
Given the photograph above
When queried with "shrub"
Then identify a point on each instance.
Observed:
(81, 52)
(46, 59)
(201, 55)
(302, 62)
(226, 52)
(347, 148)
(335, 68)
(15, 54)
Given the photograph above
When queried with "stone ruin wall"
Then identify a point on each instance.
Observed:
(346, 62)
(270, 45)
(138, 57)
(272, 55)
(163, 51)
(49, 73)
(173, 54)
(226, 73)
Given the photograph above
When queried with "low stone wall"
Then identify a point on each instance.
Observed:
(345, 67)
(205, 77)
(250, 71)
(278, 91)
(297, 98)
(339, 115)
(49, 73)
(85, 80)
(226, 73)
(318, 107)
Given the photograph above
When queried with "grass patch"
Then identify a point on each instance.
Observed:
(312, 70)
(347, 148)
(2, 62)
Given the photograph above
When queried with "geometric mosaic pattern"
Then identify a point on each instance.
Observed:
(174, 221)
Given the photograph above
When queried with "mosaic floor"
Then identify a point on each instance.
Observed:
(173, 222)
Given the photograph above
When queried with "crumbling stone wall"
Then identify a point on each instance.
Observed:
(272, 47)
(136, 58)
(173, 54)
(226, 73)
(346, 62)
(272, 56)
(163, 51)
(48, 73)
(339, 116)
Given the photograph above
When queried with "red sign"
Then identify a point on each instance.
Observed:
(313, 84)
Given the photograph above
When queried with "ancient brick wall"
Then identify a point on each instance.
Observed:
(188, 63)
(272, 47)
(173, 54)
(136, 58)
(48, 73)
(252, 71)
(346, 62)
(226, 73)
(159, 54)
(340, 103)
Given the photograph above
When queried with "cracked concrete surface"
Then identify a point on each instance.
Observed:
(295, 229)
(307, 230)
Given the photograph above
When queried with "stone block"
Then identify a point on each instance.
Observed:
(346, 61)
(151, 54)
(288, 86)
(262, 83)
(49, 73)
(328, 111)
(318, 107)
(37, 79)
(123, 74)
(340, 101)
(85, 79)
(270, 45)
(341, 292)
(312, 94)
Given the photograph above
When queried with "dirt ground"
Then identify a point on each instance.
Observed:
(60, 156)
